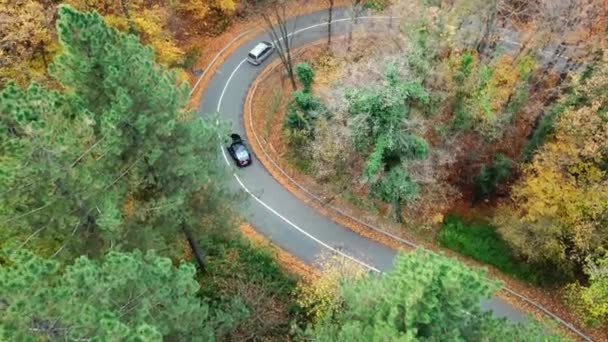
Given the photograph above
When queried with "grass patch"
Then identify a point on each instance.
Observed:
(300, 161)
(482, 243)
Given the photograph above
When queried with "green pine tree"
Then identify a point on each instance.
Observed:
(131, 167)
(427, 297)
(123, 297)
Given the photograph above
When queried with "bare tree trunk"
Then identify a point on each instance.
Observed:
(196, 249)
(354, 15)
(42, 49)
(397, 209)
(488, 29)
(329, 19)
(279, 33)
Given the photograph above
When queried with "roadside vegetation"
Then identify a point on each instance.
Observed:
(426, 296)
(485, 109)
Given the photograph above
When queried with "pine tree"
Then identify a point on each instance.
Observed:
(426, 297)
(132, 174)
(125, 296)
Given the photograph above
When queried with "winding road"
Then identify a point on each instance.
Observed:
(273, 210)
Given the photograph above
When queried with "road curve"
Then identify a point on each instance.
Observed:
(273, 210)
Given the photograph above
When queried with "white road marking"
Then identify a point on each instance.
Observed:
(265, 205)
(219, 102)
(215, 59)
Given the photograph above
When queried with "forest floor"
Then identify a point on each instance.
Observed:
(264, 116)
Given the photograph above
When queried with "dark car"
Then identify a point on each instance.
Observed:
(238, 151)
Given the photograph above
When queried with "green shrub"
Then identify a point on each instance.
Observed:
(482, 243)
(305, 100)
(235, 257)
(239, 270)
(296, 120)
(415, 147)
(465, 68)
(490, 176)
(306, 75)
(377, 5)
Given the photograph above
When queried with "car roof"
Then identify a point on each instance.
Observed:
(239, 147)
(257, 50)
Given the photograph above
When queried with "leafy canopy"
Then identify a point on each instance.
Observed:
(591, 301)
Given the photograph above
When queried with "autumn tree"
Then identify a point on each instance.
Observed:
(560, 205)
(26, 40)
(116, 162)
(282, 35)
(425, 297)
(148, 22)
(127, 296)
(591, 301)
(201, 9)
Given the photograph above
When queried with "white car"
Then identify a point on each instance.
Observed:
(260, 52)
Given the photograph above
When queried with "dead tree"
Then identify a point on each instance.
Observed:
(195, 247)
(356, 7)
(489, 23)
(276, 24)
(330, 12)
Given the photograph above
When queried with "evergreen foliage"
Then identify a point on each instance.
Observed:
(426, 297)
(124, 296)
(491, 176)
(115, 160)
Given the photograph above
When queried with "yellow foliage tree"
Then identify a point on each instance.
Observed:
(201, 8)
(26, 40)
(560, 211)
(149, 22)
(321, 295)
(591, 301)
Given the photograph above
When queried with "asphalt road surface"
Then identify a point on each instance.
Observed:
(273, 210)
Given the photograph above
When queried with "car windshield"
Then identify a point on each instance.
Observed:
(241, 152)
(258, 50)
